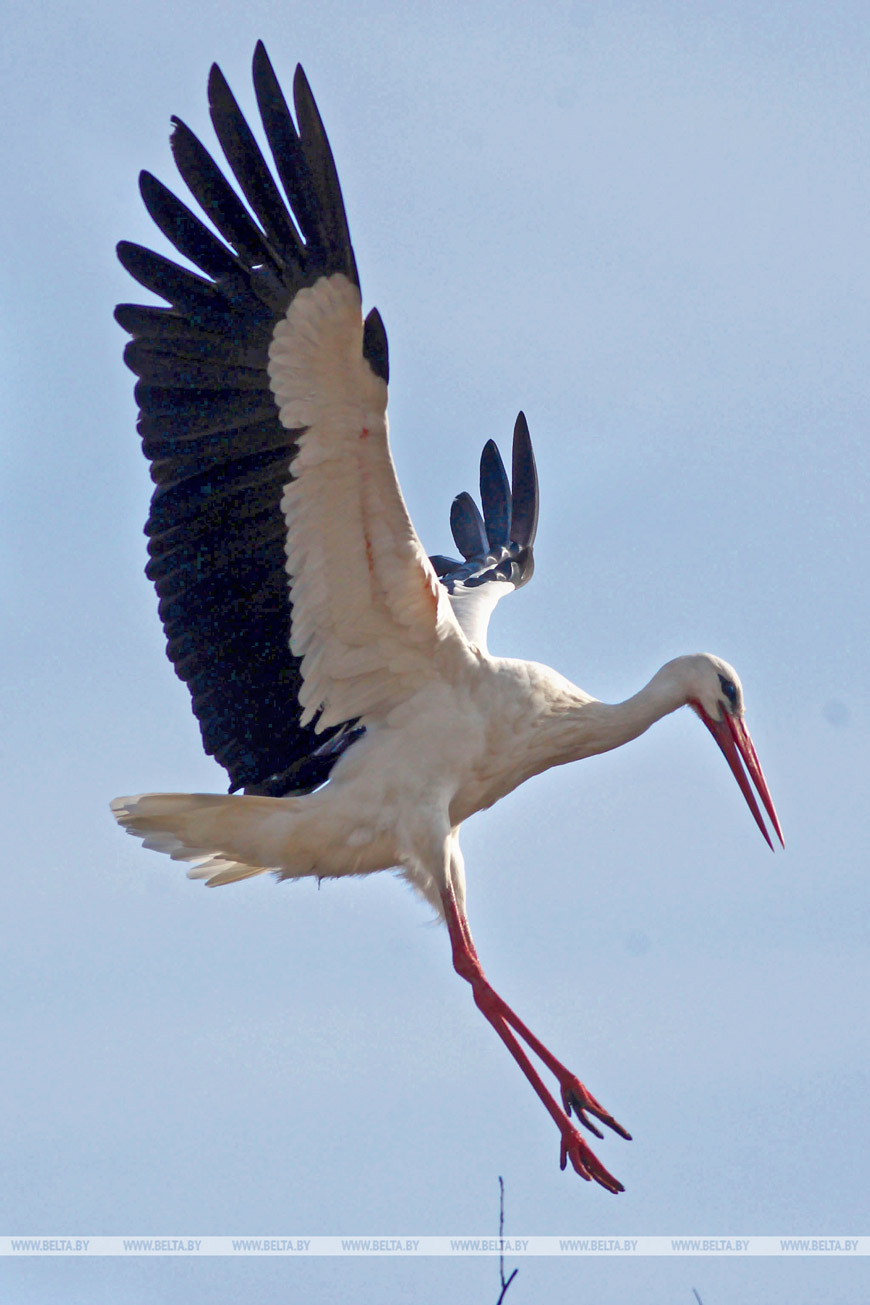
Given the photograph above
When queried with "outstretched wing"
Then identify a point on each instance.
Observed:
(371, 623)
(497, 545)
(261, 378)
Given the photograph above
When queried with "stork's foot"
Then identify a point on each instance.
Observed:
(577, 1098)
(585, 1162)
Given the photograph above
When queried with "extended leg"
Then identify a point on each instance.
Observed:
(574, 1095)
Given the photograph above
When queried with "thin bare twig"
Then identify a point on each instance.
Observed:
(697, 1297)
(504, 1284)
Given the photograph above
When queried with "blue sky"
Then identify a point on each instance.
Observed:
(647, 226)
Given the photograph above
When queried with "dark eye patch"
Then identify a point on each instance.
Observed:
(729, 688)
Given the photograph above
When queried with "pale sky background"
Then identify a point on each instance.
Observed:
(647, 225)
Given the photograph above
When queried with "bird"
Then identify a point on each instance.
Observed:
(339, 674)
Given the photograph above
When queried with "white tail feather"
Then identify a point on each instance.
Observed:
(226, 838)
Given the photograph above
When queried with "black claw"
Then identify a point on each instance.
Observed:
(573, 1102)
(617, 1128)
(587, 1123)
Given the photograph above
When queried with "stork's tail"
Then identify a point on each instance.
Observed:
(226, 838)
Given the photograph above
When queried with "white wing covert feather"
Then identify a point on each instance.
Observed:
(371, 620)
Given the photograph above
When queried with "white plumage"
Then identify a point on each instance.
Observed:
(264, 411)
(371, 622)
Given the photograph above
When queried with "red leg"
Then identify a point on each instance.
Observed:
(574, 1095)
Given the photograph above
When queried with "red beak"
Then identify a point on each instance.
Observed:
(733, 738)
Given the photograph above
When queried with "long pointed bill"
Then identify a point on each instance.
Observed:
(733, 738)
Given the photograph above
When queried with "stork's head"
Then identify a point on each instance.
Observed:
(716, 694)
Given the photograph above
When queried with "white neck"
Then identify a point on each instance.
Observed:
(584, 727)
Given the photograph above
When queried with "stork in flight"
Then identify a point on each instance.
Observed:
(339, 674)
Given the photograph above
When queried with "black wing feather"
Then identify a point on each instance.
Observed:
(320, 165)
(217, 199)
(496, 546)
(163, 325)
(166, 366)
(252, 172)
(524, 487)
(305, 166)
(184, 230)
(468, 527)
(219, 454)
(210, 426)
(495, 496)
(192, 295)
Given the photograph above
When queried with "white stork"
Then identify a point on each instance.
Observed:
(339, 674)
